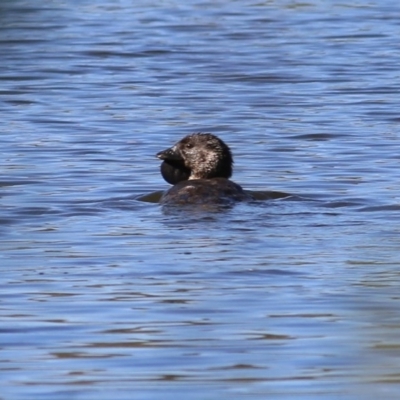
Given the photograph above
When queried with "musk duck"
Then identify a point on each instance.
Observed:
(199, 166)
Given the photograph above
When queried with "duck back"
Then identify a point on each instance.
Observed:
(205, 191)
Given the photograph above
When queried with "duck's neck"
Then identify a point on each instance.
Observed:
(196, 176)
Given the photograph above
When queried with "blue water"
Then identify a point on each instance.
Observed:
(105, 294)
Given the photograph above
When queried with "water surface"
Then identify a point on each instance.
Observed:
(105, 295)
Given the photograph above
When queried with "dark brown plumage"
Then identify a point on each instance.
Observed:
(199, 166)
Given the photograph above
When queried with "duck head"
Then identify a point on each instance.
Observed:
(196, 156)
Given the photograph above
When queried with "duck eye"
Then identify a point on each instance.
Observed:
(188, 145)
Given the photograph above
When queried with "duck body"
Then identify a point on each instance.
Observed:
(204, 191)
(199, 166)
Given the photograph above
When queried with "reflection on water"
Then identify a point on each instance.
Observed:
(105, 294)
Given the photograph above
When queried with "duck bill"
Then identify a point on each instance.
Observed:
(170, 154)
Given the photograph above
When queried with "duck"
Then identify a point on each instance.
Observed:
(199, 167)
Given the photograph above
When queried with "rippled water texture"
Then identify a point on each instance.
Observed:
(107, 295)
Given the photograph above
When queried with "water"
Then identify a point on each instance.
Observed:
(107, 295)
